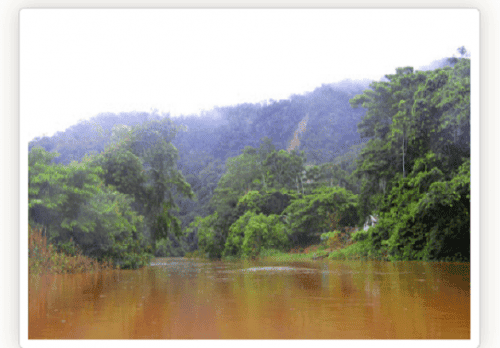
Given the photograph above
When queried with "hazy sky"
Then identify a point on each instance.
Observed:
(75, 64)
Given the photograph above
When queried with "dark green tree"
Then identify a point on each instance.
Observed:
(74, 206)
(326, 209)
(152, 143)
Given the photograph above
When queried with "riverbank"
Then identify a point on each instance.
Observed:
(354, 251)
(44, 258)
(333, 248)
(337, 245)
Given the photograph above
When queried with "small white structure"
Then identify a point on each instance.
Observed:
(370, 221)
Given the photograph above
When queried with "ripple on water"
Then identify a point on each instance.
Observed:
(272, 269)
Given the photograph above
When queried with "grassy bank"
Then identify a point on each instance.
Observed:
(44, 258)
(333, 248)
(316, 252)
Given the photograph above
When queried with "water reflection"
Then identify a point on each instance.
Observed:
(178, 298)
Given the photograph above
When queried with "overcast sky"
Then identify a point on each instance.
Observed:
(75, 64)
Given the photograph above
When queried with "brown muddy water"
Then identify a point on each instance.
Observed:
(179, 298)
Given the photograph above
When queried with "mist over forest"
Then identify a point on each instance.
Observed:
(241, 180)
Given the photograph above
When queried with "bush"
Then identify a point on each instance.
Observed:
(332, 239)
(270, 252)
(327, 209)
(354, 251)
(359, 235)
(251, 233)
(69, 248)
(129, 253)
(426, 217)
(169, 247)
(336, 239)
(211, 238)
(44, 258)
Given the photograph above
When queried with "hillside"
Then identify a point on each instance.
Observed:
(328, 133)
(224, 131)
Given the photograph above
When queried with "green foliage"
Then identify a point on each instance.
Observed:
(74, 202)
(253, 232)
(282, 169)
(202, 171)
(217, 238)
(328, 235)
(128, 252)
(327, 174)
(336, 239)
(359, 235)
(253, 218)
(410, 166)
(330, 131)
(332, 239)
(250, 201)
(38, 158)
(211, 237)
(258, 180)
(446, 207)
(170, 247)
(244, 173)
(415, 168)
(326, 209)
(357, 251)
(143, 163)
(166, 223)
(409, 115)
(127, 143)
(69, 247)
(426, 217)
(57, 192)
(44, 258)
(270, 253)
(267, 202)
(81, 212)
(123, 170)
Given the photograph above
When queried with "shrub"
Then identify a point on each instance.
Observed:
(426, 217)
(211, 236)
(251, 233)
(326, 209)
(336, 239)
(44, 258)
(128, 252)
(354, 251)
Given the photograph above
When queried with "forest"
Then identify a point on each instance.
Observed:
(262, 179)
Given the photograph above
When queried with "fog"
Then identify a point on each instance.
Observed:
(76, 64)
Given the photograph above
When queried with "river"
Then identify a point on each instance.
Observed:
(179, 298)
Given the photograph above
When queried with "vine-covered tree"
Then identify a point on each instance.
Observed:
(415, 168)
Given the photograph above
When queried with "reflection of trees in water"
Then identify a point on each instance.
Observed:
(266, 305)
(347, 286)
(308, 281)
(325, 276)
(347, 300)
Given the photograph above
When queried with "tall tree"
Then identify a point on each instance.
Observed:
(74, 206)
(152, 143)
